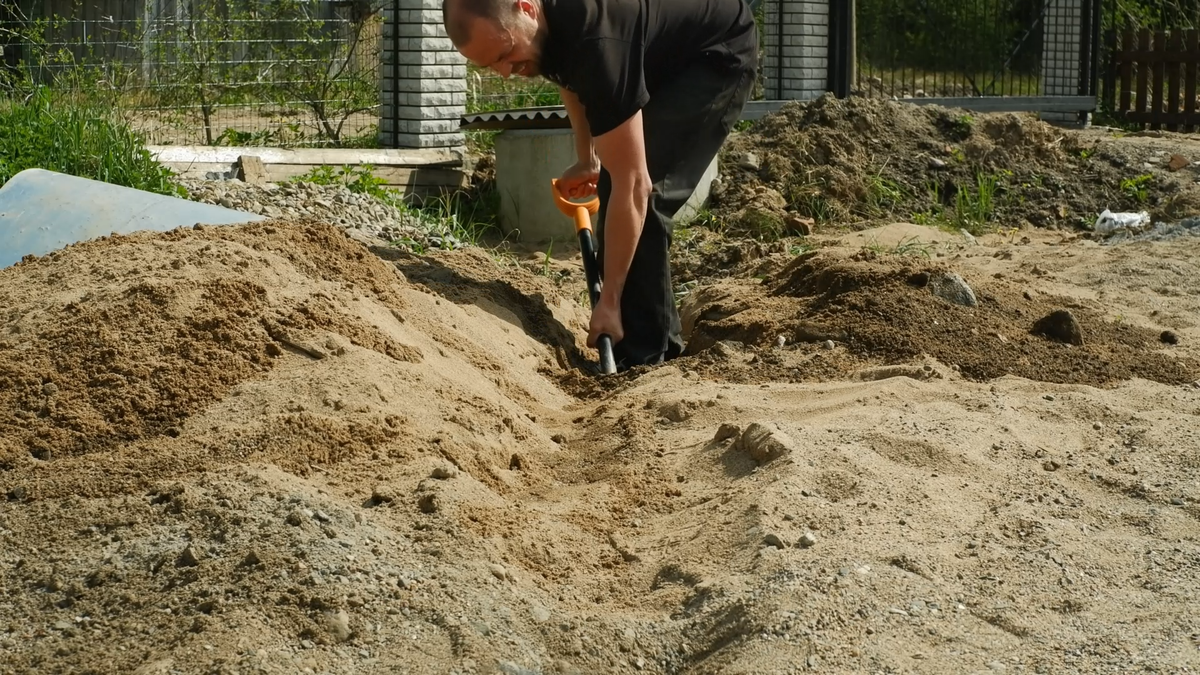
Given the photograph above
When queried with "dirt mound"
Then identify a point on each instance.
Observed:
(893, 310)
(862, 160)
(111, 354)
(126, 340)
(266, 448)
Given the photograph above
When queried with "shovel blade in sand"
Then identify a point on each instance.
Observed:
(42, 211)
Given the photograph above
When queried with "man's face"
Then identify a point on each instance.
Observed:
(514, 49)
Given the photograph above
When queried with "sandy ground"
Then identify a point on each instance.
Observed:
(268, 449)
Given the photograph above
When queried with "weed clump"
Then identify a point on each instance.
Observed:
(80, 138)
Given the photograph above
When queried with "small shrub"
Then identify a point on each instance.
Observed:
(1136, 188)
(359, 179)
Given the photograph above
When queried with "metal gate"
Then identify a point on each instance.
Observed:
(1036, 55)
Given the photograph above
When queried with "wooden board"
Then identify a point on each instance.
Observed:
(1192, 44)
(399, 178)
(1173, 73)
(1157, 72)
(1143, 83)
(186, 154)
(1127, 71)
(417, 171)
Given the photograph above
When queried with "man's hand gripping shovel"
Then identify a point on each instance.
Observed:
(582, 213)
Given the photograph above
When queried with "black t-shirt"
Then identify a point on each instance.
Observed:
(615, 54)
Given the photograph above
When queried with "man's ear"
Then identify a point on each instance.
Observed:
(527, 8)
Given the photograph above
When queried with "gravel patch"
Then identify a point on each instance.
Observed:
(334, 204)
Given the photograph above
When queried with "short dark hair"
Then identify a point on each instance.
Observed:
(458, 21)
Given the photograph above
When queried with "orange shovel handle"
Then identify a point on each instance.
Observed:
(580, 211)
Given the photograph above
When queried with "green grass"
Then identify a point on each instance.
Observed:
(80, 139)
(974, 207)
(1135, 188)
(907, 247)
(487, 91)
(883, 195)
(358, 178)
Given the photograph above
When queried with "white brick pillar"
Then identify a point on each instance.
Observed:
(796, 49)
(423, 85)
(1062, 30)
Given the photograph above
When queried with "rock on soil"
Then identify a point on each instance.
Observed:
(766, 442)
(879, 310)
(727, 431)
(951, 287)
(1060, 325)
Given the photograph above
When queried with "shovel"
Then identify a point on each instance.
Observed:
(583, 229)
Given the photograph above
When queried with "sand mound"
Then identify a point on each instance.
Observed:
(890, 310)
(104, 350)
(266, 448)
(870, 160)
(131, 340)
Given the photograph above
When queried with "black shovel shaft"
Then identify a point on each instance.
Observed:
(591, 269)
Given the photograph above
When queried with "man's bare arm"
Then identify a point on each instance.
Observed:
(584, 149)
(622, 151)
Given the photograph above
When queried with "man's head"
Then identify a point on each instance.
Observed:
(504, 35)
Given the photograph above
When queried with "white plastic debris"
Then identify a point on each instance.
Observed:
(1109, 222)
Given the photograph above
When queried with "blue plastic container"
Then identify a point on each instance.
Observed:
(42, 211)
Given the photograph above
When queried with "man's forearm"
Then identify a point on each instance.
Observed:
(623, 222)
(585, 150)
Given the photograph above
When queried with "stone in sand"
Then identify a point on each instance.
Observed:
(445, 472)
(726, 431)
(953, 288)
(338, 625)
(765, 442)
(1060, 325)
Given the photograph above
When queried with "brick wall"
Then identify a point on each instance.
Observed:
(796, 42)
(423, 86)
(1060, 53)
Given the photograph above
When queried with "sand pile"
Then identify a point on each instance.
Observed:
(267, 448)
(130, 340)
(862, 161)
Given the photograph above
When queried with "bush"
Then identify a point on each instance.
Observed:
(82, 139)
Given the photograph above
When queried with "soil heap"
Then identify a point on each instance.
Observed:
(862, 161)
(270, 448)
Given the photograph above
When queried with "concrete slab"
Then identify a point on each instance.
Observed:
(526, 161)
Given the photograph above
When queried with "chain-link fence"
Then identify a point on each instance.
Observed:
(487, 91)
(215, 72)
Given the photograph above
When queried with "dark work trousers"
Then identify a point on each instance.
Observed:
(685, 123)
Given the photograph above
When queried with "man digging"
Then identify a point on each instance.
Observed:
(652, 89)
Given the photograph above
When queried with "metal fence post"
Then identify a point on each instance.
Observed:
(841, 45)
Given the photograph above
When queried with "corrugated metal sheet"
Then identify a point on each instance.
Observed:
(546, 117)
(555, 117)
